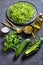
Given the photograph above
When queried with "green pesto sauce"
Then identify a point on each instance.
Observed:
(21, 12)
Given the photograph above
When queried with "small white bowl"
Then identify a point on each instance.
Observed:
(5, 30)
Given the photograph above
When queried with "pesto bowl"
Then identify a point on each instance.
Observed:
(22, 13)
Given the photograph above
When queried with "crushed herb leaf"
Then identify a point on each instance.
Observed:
(12, 41)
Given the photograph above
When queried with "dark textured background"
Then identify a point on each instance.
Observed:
(8, 58)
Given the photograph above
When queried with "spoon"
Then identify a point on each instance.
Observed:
(29, 30)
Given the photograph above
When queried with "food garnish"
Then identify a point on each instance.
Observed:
(12, 41)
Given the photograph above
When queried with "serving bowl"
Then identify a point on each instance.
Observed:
(27, 22)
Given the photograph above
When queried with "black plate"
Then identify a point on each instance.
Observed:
(28, 22)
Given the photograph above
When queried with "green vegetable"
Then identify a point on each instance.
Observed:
(21, 47)
(21, 12)
(34, 47)
(12, 41)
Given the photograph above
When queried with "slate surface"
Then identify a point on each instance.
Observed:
(8, 58)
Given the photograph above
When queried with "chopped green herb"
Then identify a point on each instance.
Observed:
(12, 41)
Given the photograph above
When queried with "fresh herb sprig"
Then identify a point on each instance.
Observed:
(12, 41)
